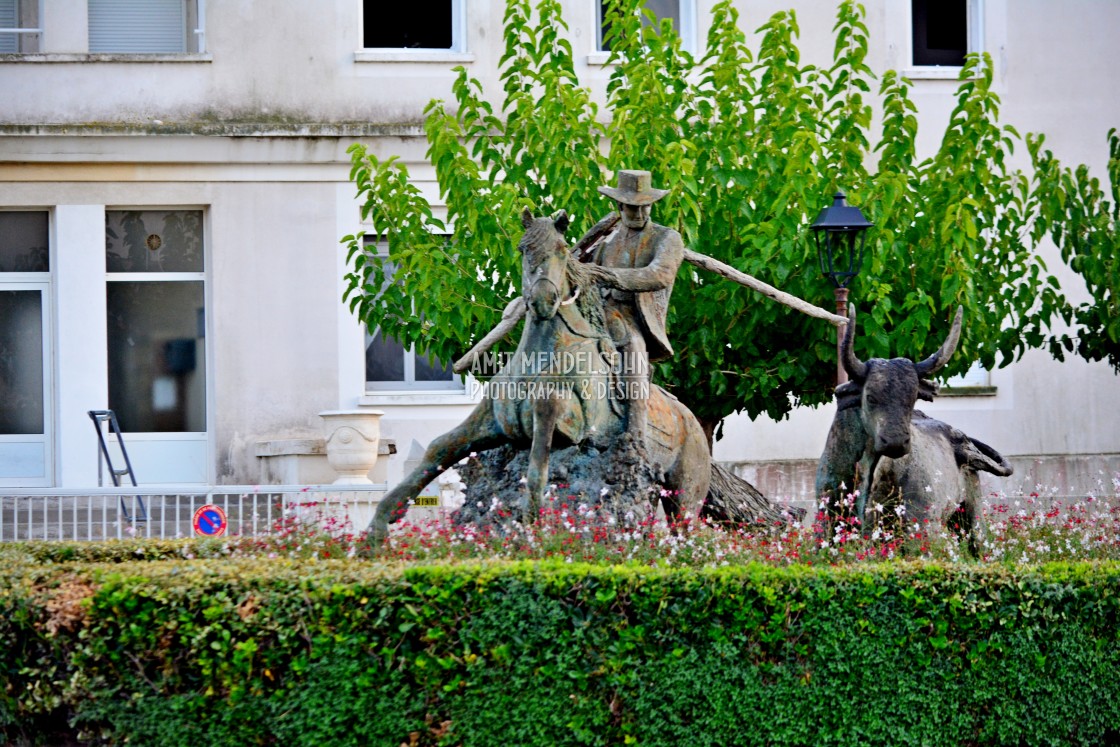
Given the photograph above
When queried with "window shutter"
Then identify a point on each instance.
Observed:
(137, 26)
(9, 43)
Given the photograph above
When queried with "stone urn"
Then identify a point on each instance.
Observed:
(352, 439)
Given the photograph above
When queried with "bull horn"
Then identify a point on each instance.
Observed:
(937, 361)
(857, 369)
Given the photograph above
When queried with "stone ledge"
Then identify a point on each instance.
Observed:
(310, 447)
(64, 57)
(213, 129)
(968, 391)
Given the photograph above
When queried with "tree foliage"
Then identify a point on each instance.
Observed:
(1085, 225)
(753, 143)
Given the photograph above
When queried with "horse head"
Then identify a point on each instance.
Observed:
(544, 264)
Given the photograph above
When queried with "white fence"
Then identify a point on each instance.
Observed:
(119, 512)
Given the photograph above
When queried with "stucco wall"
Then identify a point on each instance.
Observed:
(255, 131)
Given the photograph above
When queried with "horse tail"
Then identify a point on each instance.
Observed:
(733, 500)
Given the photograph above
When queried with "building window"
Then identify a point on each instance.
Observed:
(23, 241)
(391, 366)
(680, 12)
(25, 348)
(156, 320)
(418, 24)
(976, 381)
(144, 26)
(19, 26)
(940, 32)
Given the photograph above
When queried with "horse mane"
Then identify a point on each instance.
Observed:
(538, 234)
(589, 303)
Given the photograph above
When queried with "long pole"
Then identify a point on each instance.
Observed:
(841, 310)
(742, 278)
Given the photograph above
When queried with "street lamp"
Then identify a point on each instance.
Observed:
(839, 232)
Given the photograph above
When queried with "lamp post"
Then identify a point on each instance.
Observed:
(839, 233)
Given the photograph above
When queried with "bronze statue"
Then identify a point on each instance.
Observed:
(577, 392)
(897, 459)
(555, 391)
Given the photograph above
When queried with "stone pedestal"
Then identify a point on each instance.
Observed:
(303, 461)
(352, 440)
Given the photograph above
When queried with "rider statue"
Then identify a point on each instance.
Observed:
(636, 265)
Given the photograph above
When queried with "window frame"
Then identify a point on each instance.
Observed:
(200, 276)
(42, 282)
(458, 51)
(75, 26)
(687, 31)
(29, 14)
(975, 382)
(458, 383)
(974, 33)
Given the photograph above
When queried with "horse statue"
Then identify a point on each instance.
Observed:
(554, 392)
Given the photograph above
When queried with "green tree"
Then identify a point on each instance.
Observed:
(1085, 225)
(752, 142)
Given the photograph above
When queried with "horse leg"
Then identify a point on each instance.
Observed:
(545, 414)
(478, 432)
(690, 478)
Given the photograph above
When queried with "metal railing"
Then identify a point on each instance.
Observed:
(113, 513)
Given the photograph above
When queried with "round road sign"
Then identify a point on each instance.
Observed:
(210, 521)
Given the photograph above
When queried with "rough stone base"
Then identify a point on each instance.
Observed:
(495, 489)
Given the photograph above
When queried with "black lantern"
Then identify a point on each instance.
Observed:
(840, 231)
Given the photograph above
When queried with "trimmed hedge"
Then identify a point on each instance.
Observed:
(243, 652)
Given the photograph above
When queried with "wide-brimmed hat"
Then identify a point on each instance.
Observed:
(634, 189)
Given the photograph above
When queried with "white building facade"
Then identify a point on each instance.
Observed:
(173, 187)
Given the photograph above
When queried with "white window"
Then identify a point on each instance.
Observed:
(19, 26)
(392, 367)
(944, 31)
(25, 349)
(156, 320)
(112, 27)
(682, 13)
(143, 26)
(977, 380)
(427, 25)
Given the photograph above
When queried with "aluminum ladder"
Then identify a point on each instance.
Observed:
(103, 458)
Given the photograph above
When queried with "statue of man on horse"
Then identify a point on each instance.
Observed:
(603, 300)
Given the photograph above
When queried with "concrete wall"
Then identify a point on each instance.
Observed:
(254, 132)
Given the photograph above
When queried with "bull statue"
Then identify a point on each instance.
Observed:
(896, 455)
